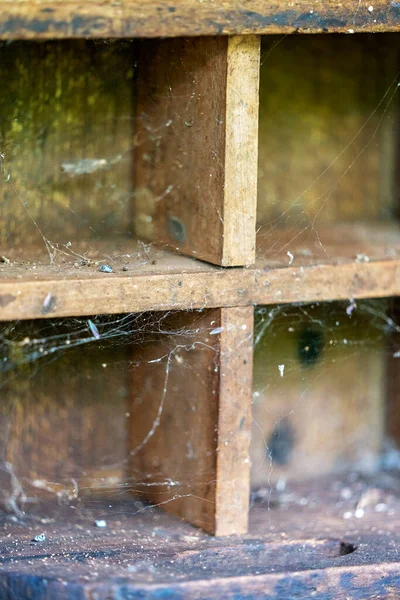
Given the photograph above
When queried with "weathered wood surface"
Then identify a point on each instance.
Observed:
(197, 141)
(323, 268)
(66, 130)
(328, 131)
(306, 416)
(191, 418)
(298, 546)
(64, 429)
(146, 18)
(234, 420)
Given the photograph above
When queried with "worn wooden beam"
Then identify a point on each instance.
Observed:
(39, 290)
(196, 139)
(146, 18)
(191, 419)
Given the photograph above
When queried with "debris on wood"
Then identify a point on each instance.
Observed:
(106, 269)
(100, 523)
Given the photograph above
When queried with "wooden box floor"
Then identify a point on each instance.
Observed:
(328, 539)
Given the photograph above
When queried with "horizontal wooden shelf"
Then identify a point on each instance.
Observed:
(344, 262)
(305, 539)
(48, 19)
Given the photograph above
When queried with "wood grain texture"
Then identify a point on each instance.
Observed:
(63, 420)
(146, 18)
(196, 159)
(193, 437)
(65, 139)
(352, 263)
(293, 549)
(234, 420)
(325, 414)
(328, 131)
(241, 151)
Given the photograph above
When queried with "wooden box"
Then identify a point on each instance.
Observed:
(195, 214)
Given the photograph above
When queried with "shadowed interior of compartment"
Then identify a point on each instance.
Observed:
(328, 132)
(66, 139)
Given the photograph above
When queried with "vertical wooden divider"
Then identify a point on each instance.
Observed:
(195, 170)
(191, 418)
(196, 146)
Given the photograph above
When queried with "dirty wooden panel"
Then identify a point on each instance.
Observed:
(328, 127)
(65, 139)
(191, 419)
(63, 416)
(196, 164)
(319, 390)
(149, 18)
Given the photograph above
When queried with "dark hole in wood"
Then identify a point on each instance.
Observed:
(281, 443)
(311, 345)
(346, 548)
(176, 229)
(333, 548)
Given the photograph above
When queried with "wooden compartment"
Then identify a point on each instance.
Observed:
(142, 155)
(327, 199)
(141, 403)
(99, 148)
(321, 381)
(303, 528)
(65, 400)
(328, 150)
(66, 139)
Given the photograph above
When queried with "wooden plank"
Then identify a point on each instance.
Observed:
(61, 436)
(146, 18)
(197, 120)
(316, 370)
(334, 272)
(191, 419)
(66, 133)
(234, 420)
(324, 160)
